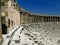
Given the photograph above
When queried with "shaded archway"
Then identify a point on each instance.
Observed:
(4, 27)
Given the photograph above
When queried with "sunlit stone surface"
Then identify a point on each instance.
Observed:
(44, 33)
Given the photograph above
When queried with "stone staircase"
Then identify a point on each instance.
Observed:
(46, 33)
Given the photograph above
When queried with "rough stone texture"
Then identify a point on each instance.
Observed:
(0, 34)
(15, 15)
(46, 33)
(0, 23)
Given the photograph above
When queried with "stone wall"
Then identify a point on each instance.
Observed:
(13, 14)
(9, 15)
(32, 18)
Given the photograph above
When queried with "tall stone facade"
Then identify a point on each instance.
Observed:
(13, 14)
(9, 16)
(35, 18)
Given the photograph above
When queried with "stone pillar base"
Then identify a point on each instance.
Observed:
(0, 34)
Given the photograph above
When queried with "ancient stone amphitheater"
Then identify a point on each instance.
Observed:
(41, 29)
(44, 33)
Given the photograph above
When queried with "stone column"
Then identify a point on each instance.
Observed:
(38, 19)
(49, 18)
(21, 17)
(52, 19)
(56, 19)
(33, 19)
(42, 18)
(0, 27)
(6, 17)
(6, 14)
(0, 24)
(20, 14)
(59, 18)
(29, 18)
(45, 18)
(24, 17)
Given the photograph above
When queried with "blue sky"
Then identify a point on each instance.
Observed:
(50, 7)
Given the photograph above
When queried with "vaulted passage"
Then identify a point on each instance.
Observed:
(4, 27)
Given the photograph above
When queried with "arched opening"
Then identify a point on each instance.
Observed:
(12, 23)
(8, 22)
(4, 27)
